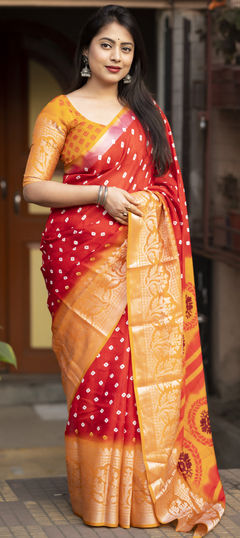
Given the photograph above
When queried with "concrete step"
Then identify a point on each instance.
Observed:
(26, 389)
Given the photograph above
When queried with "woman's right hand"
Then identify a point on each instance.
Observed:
(119, 202)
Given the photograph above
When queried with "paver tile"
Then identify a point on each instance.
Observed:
(5, 532)
(40, 508)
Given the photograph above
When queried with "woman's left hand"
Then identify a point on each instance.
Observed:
(119, 203)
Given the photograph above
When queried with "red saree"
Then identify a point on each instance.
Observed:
(139, 447)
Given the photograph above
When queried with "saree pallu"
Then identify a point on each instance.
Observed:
(139, 447)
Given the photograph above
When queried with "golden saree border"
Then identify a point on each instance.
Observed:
(155, 325)
(107, 483)
(169, 413)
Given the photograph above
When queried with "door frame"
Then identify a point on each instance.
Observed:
(3, 211)
(20, 230)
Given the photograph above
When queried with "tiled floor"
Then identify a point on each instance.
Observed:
(33, 488)
(39, 508)
(32, 462)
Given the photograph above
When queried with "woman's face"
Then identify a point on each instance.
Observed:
(110, 53)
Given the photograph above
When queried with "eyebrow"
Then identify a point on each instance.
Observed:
(112, 41)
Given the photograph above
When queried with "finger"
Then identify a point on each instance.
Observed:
(131, 199)
(121, 221)
(134, 210)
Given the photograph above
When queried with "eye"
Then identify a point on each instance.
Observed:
(105, 45)
(127, 49)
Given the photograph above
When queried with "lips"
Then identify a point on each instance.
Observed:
(113, 69)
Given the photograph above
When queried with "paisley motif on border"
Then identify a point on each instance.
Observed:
(189, 463)
(198, 420)
(190, 313)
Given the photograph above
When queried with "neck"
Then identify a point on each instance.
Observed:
(97, 88)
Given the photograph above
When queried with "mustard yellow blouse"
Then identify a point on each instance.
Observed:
(60, 132)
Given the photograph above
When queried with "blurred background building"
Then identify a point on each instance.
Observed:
(200, 94)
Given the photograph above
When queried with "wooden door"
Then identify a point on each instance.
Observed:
(21, 228)
(3, 212)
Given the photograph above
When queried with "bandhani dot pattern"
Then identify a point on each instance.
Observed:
(104, 406)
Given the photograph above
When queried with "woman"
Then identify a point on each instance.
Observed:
(118, 268)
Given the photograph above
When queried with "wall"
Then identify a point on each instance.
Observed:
(177, 89)
(225, 331)
(197, 74)
(225, 154)
(226, 280)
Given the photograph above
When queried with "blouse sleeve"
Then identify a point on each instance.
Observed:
(49, 136)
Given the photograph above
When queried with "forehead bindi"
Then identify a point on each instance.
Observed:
(115, 33)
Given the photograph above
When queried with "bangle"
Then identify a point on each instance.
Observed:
(99, 194)
(105, 196)
(102, 195)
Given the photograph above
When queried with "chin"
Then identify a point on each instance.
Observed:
(111, 79)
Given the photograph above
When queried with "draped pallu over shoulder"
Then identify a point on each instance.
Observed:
(179, 459)
(156, 331)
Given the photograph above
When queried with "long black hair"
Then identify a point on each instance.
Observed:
(135, 94)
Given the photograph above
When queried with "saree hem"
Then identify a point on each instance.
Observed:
(121, 526)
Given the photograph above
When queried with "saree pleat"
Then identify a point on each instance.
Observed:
(139, 446)
(108, 484)
(106, 474)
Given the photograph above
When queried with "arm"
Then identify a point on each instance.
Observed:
(63, 195)
(50, 132)
(48, 140)
(53, 194)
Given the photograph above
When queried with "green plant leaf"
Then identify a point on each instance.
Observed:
(7, 354)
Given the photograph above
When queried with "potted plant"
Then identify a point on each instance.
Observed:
(7, 354)
(229, 186)
(226, 38)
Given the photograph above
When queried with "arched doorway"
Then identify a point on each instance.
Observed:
(37, 65)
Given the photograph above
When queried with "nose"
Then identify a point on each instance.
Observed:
(116, 54)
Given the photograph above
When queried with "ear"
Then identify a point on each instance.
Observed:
(85, 52)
